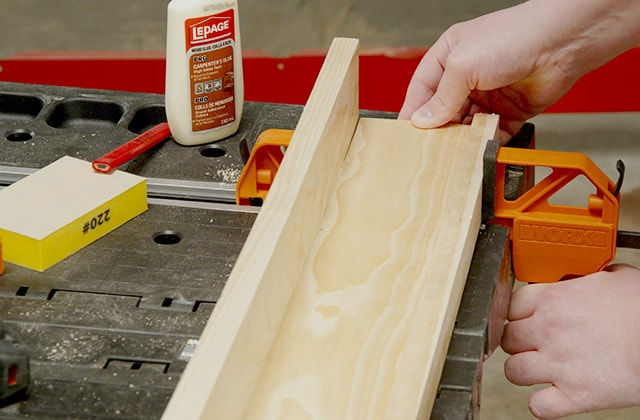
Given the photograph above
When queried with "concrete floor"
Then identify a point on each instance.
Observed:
(280, 27)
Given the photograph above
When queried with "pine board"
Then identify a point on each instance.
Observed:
(366, 332)
(220, 378)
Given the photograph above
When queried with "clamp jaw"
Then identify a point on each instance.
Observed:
(552, 242)
(259, 171)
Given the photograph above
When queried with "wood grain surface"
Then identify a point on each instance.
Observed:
(220, 378)
(367, 329)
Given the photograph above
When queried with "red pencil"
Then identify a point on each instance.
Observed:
(132, 148)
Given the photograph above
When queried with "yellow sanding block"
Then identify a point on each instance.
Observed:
(62, 208)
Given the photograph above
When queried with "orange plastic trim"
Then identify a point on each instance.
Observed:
(261, 168)
(551, 242)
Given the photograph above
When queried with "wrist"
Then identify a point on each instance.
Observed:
(585, 34)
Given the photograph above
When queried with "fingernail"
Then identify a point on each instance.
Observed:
(422, 118)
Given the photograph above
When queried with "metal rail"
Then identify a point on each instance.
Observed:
(218, 192)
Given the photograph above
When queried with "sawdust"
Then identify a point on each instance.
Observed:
(229, 175)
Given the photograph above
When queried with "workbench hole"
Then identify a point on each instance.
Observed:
(212, 151)
(22, 291)
(19, 135)
(167, 237)
(166, 302)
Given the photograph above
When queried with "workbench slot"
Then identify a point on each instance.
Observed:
(147, 117)
(56, 292)
(208, 305)
(20, 106)
(84, 112)
(116, 363)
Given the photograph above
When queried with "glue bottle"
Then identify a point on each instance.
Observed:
(204, 89)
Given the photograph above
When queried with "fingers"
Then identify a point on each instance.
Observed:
(438, 88)
(441, 88)
(517, 337)
(449, 98)
(551, 403)
(418, 94)
(521, 334)
(424, 81)
(528, 368)
(524, 301)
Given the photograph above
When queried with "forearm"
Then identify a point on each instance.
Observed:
(581, 35)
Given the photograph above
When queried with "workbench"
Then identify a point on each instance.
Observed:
(110, 329)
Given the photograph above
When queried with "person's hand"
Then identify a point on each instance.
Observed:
(517, 61)
(582, 337)
(497, 63)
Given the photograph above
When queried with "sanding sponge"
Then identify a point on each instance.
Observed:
(63, 207)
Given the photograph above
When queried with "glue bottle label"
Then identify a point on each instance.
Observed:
(210, 50)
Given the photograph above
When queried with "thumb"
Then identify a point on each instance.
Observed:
(449, 98)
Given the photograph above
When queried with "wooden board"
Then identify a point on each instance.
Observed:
(342, 301)
(367, 329)
(220, 378)
(61, 208)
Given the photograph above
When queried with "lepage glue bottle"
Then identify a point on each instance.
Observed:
(204, 90)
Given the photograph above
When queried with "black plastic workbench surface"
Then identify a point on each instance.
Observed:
(110, 329)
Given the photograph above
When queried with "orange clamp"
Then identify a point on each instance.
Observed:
(260, 170)
(550, 241)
